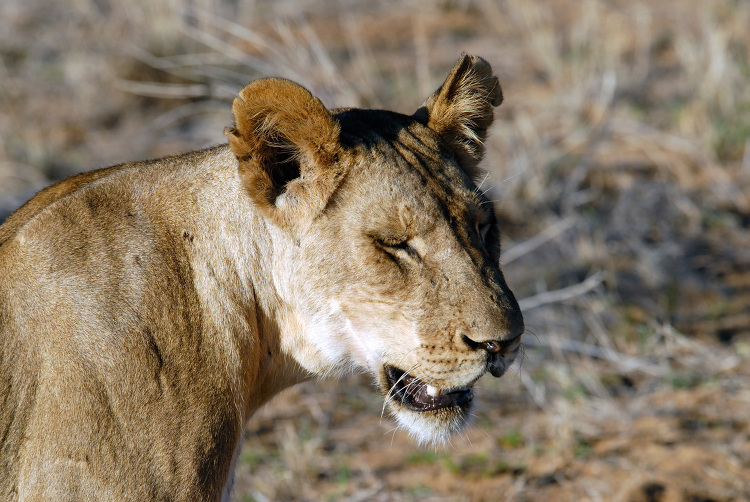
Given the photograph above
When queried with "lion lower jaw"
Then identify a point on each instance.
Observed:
(432, 428)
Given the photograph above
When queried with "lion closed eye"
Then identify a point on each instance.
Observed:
(147, 310)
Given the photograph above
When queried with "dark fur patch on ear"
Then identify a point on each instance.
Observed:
(461, 110)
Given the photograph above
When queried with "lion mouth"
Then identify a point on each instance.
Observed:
(417, 395)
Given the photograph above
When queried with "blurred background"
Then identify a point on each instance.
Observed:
(619, 164)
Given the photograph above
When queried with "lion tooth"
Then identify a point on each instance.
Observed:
(432, 391)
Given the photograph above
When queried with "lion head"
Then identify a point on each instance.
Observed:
(390, 261)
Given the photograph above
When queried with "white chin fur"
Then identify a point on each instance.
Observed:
(430, 428)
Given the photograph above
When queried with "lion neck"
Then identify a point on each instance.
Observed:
(231, 250)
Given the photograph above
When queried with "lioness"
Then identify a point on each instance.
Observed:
(147, 310)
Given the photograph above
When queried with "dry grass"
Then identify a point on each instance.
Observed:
(620, 164)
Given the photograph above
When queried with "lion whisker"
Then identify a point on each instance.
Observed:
(389, 396)
(486, 175)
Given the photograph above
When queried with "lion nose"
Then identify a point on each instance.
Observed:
(497, 352)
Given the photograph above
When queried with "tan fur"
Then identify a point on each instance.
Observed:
(149, 309)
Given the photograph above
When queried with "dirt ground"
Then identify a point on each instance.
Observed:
(620, 168)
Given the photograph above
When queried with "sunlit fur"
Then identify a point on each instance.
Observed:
(147, 310)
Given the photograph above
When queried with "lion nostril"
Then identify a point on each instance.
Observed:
(472, 344)
(491, 346)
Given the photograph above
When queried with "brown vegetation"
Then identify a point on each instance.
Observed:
(620, 161)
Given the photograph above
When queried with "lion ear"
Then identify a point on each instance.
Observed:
(286, 142)
(461, 110)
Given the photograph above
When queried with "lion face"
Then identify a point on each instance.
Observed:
(391, 262)
(413, 292)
